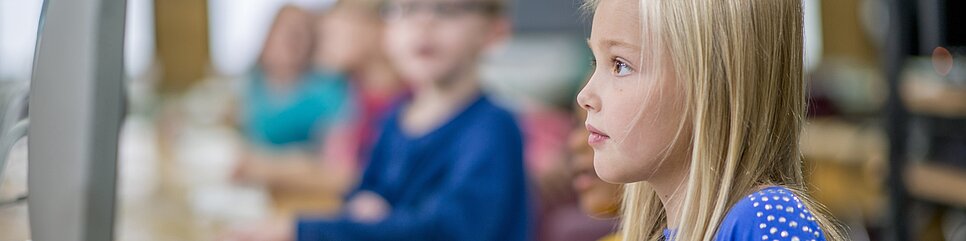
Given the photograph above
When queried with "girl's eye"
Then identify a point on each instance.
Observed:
(593, 62)
(621, 68)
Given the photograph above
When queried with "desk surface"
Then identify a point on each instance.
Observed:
(174, 186)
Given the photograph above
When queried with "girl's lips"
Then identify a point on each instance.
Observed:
(596, 137)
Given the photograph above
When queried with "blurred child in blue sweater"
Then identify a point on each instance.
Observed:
(448, 164)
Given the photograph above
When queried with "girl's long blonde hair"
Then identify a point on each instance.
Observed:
(740, 64)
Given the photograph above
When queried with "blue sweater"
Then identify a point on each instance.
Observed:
(462, 181)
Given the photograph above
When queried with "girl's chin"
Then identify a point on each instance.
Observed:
(613, 172)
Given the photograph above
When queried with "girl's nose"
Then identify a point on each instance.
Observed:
(587, 99)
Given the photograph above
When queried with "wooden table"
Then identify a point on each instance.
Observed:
(175, 186)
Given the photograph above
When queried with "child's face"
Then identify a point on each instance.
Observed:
(634, 111)
(596, 197)
(346, 38)
(287, 46)
(437, 40)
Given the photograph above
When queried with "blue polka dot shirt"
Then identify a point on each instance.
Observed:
(773, 213)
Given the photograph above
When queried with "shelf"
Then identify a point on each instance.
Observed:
(933, 98)
(936, 183)
(832, 139)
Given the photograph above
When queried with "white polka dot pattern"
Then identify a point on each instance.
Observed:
(774, 213)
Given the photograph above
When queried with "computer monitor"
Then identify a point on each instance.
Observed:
(75, 115)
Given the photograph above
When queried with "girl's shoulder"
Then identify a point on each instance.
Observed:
(772, 213)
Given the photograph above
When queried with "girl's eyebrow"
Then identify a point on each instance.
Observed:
(613, 43)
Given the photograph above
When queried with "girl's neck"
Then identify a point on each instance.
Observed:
(670, 184)
(281, 82)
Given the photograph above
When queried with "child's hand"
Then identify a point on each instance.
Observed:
(368, 207)
(247, 169)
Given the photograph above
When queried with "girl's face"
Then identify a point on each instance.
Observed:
(287, 46)
(634, 110)
(596, 197)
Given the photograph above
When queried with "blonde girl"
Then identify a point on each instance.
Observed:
(697, 106)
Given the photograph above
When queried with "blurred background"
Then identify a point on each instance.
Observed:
(885, 146)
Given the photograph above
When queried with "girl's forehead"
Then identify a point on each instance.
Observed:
(619, 6)
(617, 23)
